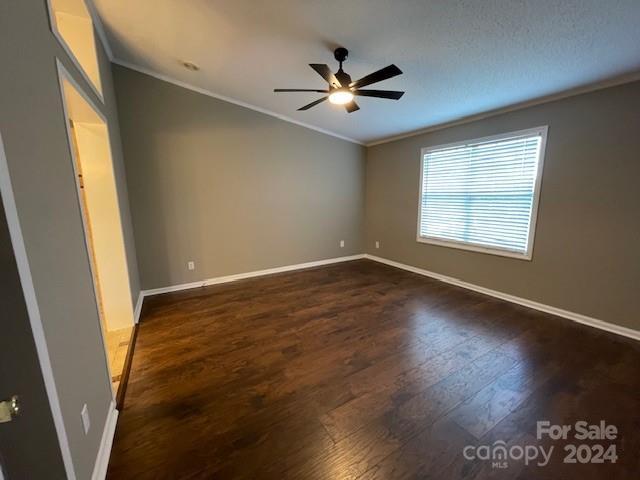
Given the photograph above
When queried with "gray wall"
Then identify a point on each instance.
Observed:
(232, 189)
(586, 256)
(28, 446)
(33, 128)
(111, 113)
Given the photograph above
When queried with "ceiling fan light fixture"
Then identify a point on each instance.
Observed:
(341, 90)
(341, 96)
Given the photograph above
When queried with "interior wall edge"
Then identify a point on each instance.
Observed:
(105, 104)
(99, 28)
(138, 308)
(24, 271)
(120, 175)
(104, 452)
(46, 198)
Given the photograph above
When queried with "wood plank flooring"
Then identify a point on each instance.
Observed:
(117, 342)
(363, 371)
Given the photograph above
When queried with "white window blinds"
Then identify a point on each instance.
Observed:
(482, 193)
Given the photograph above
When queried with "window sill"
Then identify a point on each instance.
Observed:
(475, 248)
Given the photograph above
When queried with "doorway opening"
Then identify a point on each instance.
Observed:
(90, 148)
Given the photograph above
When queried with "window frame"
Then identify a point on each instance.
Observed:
(505, 252)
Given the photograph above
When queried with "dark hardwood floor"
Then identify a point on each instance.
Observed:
(362, 371)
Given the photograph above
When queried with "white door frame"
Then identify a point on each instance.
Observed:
(64, 75)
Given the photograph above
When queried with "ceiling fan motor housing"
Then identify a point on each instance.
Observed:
(341, 54)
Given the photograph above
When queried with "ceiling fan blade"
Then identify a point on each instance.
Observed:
(352, 106)
(390, 94)
(382, 74)
(299, 90)
(313, 104)
(325, 72)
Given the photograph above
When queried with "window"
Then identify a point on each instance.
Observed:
(482, 194)
(71, 23)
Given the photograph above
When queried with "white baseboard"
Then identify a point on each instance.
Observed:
(138, 309)
(104, 453)
(242, 276)
(576, 317)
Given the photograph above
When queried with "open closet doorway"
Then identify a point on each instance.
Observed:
(93, 167)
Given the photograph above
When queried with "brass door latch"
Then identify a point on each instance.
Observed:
(9, 409)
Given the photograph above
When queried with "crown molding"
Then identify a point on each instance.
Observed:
(612, 82)
(592, 87)
(224, 98)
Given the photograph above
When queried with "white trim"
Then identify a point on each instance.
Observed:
(533, 221)
(138, 310)
(576, 317)
(65, 46)
(541, 130)
(64, 75)
(24, 271)
(102, 459)
(99, 27)
(612, 82)
(444, 242)
(472, 247)
(242, 276)
(224, 98)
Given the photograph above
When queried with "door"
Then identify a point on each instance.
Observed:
(28, 443)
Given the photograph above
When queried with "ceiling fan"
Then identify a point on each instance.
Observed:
(342, 90)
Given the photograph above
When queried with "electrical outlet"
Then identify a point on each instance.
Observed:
(377, 244)
(341, 243)
(191, 265)
(86, 421)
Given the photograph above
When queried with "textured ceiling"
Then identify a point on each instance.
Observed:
(459, 58)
